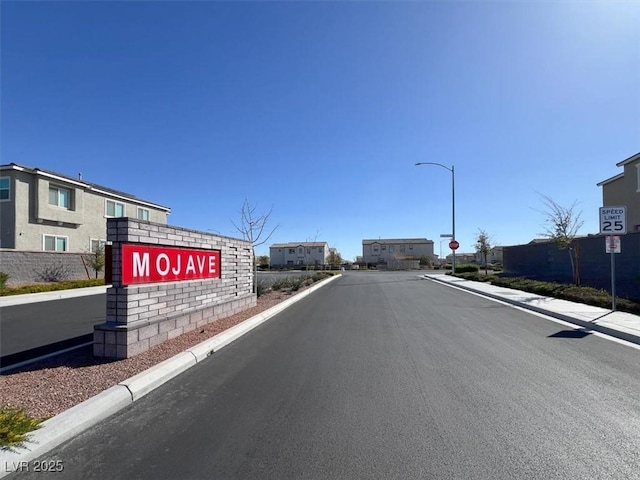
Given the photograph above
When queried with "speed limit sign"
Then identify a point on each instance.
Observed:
(613, 220)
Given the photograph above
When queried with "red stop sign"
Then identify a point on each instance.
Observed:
(453, 244)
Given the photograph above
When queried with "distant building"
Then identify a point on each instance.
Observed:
(462, 258)
(395, 249)
(624, 189)
(41, 210)
(282, 255)
(493, 256)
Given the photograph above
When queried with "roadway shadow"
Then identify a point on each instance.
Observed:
(580, 333)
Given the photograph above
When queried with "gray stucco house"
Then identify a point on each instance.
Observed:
(45, 211)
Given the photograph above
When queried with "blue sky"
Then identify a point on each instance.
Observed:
(320, 110)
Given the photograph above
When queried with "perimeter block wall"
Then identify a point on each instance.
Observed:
(141, 316)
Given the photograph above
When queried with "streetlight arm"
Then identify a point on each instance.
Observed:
(433, 163)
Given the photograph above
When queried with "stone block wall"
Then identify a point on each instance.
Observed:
(545, 261)
(27, 267)
(143, 315)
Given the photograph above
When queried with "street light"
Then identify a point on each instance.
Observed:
(453, 205)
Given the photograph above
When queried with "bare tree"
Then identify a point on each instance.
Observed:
(561, 227)
(253, 227)
(483, 246)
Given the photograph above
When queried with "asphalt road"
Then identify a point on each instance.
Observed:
(24, 327)
(383, 376)
(39, 327)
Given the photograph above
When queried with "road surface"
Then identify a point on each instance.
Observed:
(383, 376)
(32, 325)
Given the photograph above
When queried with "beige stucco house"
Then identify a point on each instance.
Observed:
(624, 189)
(298, 254)
(394, 249)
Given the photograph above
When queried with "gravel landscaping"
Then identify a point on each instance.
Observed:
(49, 387)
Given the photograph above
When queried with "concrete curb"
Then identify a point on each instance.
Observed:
(65, 426)
(77, 419)
(12, 300)
(144, 382)
(629, 337)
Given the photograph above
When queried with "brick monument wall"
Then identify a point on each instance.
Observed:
(143, 315)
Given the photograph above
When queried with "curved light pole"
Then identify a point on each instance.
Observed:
(453, 205)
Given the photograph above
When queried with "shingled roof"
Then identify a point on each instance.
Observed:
(82, 183)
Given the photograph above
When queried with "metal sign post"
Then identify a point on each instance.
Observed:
(613, 220)
(612, 246)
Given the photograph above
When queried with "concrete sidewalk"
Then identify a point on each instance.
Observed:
(625, 326)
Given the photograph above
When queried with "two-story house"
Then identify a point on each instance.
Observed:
(388, 250)
(624, 189)
(41, 210)
(298, 254)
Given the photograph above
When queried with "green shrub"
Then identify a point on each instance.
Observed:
(279, 284)
(65, 285)
(572, 293)
(3, 280)
(296, 282)
(318, 276)
(476, 276)
(15, 426)
(467, 267)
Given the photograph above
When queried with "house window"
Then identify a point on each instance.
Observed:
(5, 189)
(53, 243)
(402, 248)
(59, 197)
(114, 209)
(308, 250)
(391, 248)
(300, 250)
(384, 247)
(143, 214)
(292, 251)
(95, 244)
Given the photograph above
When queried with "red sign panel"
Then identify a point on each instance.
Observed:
(150, 264)
(454, 245)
